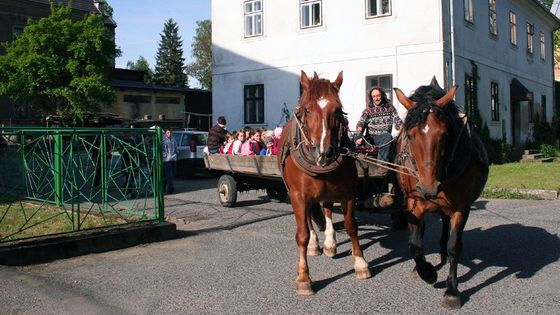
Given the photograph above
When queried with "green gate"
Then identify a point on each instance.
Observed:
(64, 180)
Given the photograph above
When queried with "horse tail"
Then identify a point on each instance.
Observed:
(318, 216)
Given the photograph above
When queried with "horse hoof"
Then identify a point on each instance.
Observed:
(451, 302)
(330, 252)
(362, 274)
(427, 273)
(314, 251)
(304, 289)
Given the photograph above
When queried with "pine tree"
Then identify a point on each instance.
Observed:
(170, 64)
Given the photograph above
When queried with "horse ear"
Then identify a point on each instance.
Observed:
(304, 80)
(315, 76)
(447, 98)
(434, 82)
(338, 82)
(407, 102)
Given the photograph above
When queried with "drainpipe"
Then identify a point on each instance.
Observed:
(452, 31)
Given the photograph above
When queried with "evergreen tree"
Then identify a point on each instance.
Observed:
(170, 64)
(201, 68)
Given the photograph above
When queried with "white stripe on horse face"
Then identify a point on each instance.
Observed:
(426, 129)
(322, 102)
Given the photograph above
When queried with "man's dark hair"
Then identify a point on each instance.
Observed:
(384, 100)
(222, 120)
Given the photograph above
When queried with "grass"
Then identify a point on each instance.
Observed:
(507, 177)
(19, 220)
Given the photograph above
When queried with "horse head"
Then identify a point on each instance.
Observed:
(425, 129)
(320, 116)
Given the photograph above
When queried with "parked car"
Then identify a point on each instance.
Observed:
(191, 145)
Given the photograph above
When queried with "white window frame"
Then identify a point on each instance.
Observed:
(494, 101)
(468, 8)
(380, 80)
(308, 13)
(492, 17)
(543, 46)
(383, 6)
(513, 28)
(530, 33)
(252, 21)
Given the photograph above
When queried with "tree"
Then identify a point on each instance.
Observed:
(170, 64)
(142, 65)
(201, 67)
(60, 66)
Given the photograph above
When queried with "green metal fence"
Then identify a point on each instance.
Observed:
(64, 180)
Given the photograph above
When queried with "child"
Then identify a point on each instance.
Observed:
(238, 143)
(251, 146)
(228, 148)
(267, 150)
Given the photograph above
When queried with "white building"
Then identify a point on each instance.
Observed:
(260, 46)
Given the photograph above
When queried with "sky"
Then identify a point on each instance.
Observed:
(140, 23)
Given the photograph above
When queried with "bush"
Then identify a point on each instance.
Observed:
(548, 150)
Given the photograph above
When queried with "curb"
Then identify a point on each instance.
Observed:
(541, 193)
(60, 247)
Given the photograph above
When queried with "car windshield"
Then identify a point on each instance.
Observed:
(199, 138)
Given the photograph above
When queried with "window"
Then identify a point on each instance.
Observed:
(310, 12)
(16, 31)
(469, 95)
(469, 10)
(384, 81)
(495, 101)
(253, 18)
(167, 100)
(543, 108)
(254, 104)
(377, 8)
(137, 98)
(513, 28)
(543, 48)
(530, 32)
(492, 17)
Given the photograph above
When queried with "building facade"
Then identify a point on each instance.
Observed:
(499, 53)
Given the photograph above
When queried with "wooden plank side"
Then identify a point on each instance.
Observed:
(254, 165)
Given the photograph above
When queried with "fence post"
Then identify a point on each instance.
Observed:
(58, 183)
(159, 174)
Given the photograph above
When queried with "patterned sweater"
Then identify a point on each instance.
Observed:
(377, 120)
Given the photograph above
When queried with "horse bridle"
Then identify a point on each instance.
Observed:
(304, 130)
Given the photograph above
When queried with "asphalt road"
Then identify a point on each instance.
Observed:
(243, 261)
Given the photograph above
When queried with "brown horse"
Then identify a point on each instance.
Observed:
(316, 174)
(449, 168)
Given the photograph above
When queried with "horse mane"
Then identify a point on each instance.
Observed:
(424, 97)
(317, 88)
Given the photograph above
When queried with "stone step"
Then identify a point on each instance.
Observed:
(532, 151)
(539, 160)
(533, 156)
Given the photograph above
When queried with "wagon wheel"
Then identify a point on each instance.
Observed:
(227, 190)
(276, 194)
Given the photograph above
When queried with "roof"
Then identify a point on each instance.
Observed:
(81, 5)
(139, 85)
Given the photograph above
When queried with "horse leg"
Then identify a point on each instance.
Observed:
(313, 248)
(330, 236)
(425, 270)
(452, 296)
(443, 239)
(360, 265)
(301, 213)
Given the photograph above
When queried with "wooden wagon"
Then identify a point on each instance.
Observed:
(243, 173)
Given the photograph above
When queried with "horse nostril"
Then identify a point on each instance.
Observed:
(330, 153)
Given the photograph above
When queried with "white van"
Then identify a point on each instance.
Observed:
(190, 159)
